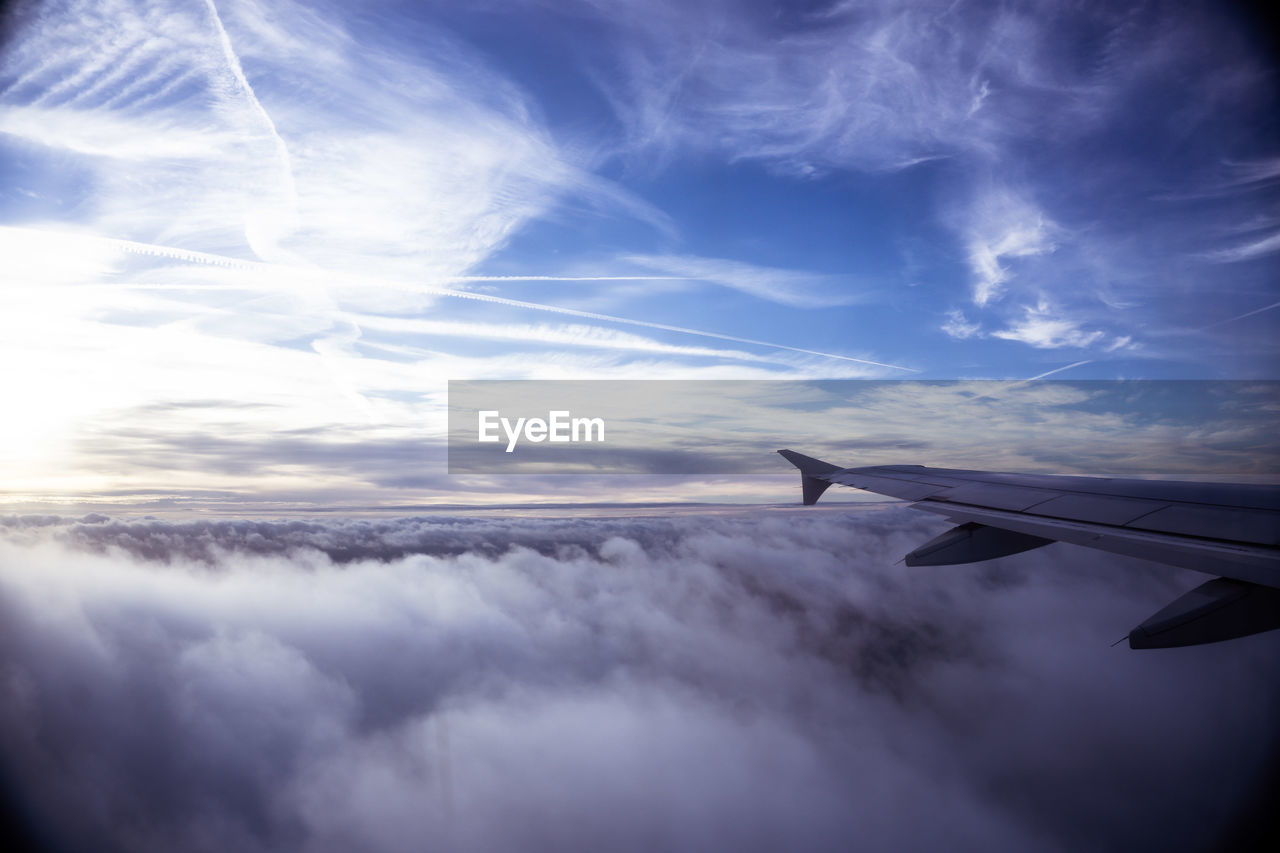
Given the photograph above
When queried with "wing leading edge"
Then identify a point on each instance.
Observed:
(1226, 529)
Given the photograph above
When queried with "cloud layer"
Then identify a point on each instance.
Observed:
(749, 681)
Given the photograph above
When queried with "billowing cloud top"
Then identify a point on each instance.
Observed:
(745, 681)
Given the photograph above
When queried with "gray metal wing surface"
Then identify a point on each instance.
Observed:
(1226, 529)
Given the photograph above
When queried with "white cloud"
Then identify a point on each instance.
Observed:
(1044, 328)
(1119, 343)
(959, 327)
(1002, 226)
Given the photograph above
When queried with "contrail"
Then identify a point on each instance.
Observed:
(1240, 317)
(1058, 370)
(570, 278)
(609, 318)
(282, 151)
(135, 247)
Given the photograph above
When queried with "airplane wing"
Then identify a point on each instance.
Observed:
(1226, 529)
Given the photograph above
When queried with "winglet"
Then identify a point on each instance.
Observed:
(810, 471)
(807, 464)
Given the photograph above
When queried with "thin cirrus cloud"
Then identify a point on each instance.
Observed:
(207, 139)
(1258, 248)
(279, 202)
(183, 151)
(1006, 101)
(785, 286)
(884, 88)
(367, 160)
(1251, 233)
(958, 326)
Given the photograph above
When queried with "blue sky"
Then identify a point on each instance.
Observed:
(231, 227)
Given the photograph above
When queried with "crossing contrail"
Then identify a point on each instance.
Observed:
(478, 278)
(1059, 370)
(1240, 316)
(149, 249)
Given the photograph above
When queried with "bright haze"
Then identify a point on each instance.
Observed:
(245, 245)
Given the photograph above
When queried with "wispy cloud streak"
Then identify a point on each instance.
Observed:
(1247, 251)
(292, 277)
(788, 287)
(1045, 328)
